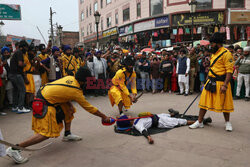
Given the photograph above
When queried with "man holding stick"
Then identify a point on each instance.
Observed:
(119, 93)
(217, 95)
(56, 107)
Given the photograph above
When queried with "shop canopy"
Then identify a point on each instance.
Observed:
(241, 44)
(201, 42)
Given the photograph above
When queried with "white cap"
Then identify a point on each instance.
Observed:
(247, 49)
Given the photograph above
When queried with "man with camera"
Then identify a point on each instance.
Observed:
(217, 95)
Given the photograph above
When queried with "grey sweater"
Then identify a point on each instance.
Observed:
(244, 64)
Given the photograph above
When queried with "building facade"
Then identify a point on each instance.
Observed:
(67, 38)
(166, 22)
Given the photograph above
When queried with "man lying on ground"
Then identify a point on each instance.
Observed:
(156, 120)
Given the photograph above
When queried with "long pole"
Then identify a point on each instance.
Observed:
(192, 32)
(97, 36)
(51, 26)
(41, 35)
(191, 104)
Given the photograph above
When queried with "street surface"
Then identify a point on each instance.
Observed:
(102, 147)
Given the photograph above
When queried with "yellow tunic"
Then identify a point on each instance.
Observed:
(28, 69)
(72, 66)
(217, 101)
(60, 92)
(44, 75)
(79, 62)
(119, 91)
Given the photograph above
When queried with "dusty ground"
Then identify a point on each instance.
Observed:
(211, 146)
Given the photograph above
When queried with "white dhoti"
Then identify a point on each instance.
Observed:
(37, 81)
(166, 121)
(183, 82)
(2, 147)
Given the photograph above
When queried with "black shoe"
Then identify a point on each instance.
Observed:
(180, 94)
(172, 111)
(191, 93)
(186, 94)
(207, 120)
(247, 99)
(236, 98)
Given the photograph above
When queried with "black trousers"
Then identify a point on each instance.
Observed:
(168, 77)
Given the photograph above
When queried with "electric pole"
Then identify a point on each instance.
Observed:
(51, 26)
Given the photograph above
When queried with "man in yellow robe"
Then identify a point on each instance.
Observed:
(217, 95)
(69, 62)
(119, 93)
(58, 93)
(29, 80)
(78, 59)
(41, 57)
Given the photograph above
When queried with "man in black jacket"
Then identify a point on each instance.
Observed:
(166, 70)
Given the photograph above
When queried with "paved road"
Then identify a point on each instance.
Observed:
(211, 146)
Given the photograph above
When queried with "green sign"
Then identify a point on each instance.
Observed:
(10, 12)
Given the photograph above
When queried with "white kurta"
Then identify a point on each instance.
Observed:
(183, 80)
(165, 121)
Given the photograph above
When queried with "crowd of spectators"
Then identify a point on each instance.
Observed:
(179, 69)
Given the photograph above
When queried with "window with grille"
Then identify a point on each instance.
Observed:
(204, 4)
(95, 6)
(235, 3)
(82, 16)
(126, 14)
(138, 7)
(156, 7)
(109, 22)
(116, 18)
(108, 1)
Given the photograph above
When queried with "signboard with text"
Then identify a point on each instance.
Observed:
(145, 25)
(10, 12)
(199, 18)
(14, 38)
(162, 21)
(126, 30)
(239, 17)
(110, 32)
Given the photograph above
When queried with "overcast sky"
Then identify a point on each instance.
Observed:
(36, 13)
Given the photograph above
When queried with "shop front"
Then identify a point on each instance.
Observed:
(126, 37)
(238, 25)
(204, 25)
(92, 39)
(110, 37)
(146, 33)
